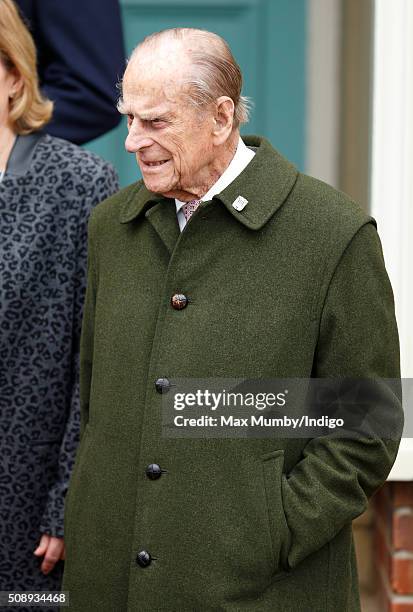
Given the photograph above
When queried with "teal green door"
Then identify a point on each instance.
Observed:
(268, 40)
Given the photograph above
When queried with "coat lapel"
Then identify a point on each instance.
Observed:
(268, 174)
(162, 217)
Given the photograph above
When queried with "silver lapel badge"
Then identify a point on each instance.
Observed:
(239, 203)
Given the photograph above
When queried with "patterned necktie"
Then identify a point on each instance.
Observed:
(189, 208)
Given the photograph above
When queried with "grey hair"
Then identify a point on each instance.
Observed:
(214, 71)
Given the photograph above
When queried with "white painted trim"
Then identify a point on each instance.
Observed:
(323, 89)
(392, 156)
(392, 175)
(403, 467)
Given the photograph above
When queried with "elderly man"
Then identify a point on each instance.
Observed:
(224, 261)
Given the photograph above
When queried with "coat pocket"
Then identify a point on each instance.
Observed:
(272, 464)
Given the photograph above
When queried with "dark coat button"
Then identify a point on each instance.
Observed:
(153, 471)
(143, 558)
(162, 385)
(179, 301)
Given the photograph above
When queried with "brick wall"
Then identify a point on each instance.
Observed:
(393, 544)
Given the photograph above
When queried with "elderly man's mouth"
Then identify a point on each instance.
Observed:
(154, 164)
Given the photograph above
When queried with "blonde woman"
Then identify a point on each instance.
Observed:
(47, 189)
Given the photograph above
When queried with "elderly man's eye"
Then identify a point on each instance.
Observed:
(130, 118)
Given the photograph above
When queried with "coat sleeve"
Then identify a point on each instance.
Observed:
(358, 338)
(52, 521)
(81, 57)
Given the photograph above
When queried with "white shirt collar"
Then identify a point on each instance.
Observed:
(243, 156)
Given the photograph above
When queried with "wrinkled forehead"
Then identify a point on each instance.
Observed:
(140, 88)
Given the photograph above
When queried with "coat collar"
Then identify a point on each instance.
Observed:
(22, 153)
(265, 183)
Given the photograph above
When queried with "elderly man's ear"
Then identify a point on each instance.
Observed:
(223, 120)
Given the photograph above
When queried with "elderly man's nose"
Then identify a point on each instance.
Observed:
(135, 141)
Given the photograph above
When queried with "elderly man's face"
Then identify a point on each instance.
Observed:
(172, 141)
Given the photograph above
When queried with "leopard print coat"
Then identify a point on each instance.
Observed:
(45, 199)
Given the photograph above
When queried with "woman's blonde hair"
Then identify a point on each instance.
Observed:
(29, 109)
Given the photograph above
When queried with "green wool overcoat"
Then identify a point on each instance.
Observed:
(293, 285)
